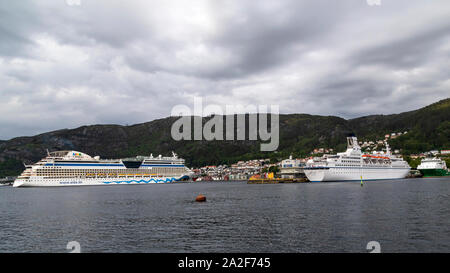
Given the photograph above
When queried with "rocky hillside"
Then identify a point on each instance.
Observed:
(429, 128)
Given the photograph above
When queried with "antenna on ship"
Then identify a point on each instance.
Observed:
(388, 149)
(48, 153)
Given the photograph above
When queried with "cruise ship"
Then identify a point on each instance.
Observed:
(73, 168)
(353, 165)
(431, 167)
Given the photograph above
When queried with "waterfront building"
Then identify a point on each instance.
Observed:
(292, 168)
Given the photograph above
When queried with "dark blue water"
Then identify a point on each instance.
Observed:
(411, 215)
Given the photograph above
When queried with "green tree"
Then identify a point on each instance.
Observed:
(274, 169)
(11, 167)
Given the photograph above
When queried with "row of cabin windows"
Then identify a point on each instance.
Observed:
(158, 170)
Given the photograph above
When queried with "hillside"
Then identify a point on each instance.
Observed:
(428, 127)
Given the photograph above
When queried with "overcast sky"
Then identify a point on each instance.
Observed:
(64, 65)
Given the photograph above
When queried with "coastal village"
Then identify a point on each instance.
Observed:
(290, 168)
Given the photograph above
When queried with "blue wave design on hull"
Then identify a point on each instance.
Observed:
(167, 180)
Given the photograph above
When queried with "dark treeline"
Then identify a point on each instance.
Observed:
(428, 128)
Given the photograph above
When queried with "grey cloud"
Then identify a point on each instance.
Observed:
(268, 38)
(406, 52)
(254, 39)
(17, 22)
(131, 61)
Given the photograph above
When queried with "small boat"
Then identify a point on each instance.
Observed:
(433, 167)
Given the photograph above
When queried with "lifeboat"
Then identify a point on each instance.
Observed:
(374, 156)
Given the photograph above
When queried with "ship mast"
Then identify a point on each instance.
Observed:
(388, 149)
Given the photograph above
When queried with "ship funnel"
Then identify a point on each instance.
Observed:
(352, 142)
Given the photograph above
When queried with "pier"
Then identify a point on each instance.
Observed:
(277, 180)
(7, 180)
(414, 174)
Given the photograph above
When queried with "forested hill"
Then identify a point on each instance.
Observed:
(428, 128)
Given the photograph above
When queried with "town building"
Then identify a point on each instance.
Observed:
(292, 168)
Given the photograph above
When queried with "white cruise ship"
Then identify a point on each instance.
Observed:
(354, 165)
(72, 168)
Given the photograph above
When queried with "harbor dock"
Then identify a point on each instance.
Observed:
(277, 180)
(414, 174)
(7, 181)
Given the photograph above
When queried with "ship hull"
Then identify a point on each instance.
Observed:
(329, 174)
(434, 172)
(40, 182)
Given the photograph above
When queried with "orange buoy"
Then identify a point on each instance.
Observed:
(200, 198)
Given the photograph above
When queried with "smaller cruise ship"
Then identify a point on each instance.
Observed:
(431, 167)
(354, 165)
(73, 168)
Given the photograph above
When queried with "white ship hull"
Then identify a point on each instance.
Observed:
(322, 174)
(41, 182)
(353, 165)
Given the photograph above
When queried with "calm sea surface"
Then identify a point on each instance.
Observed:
(410, 215)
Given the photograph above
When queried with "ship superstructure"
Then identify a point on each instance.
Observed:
(354, 165)
(73, 168)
